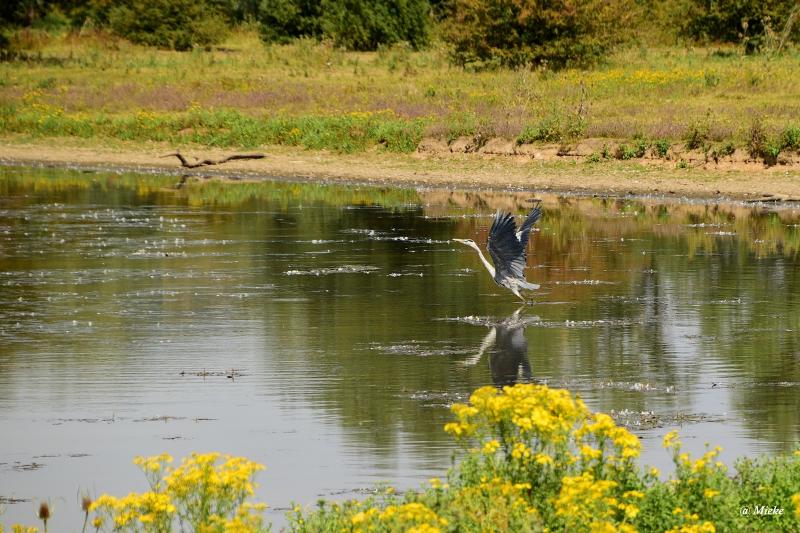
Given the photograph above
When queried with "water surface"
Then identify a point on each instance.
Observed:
(324, 330)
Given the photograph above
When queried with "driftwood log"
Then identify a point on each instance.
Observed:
(205, 162)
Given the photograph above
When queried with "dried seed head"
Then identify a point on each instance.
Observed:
(86, 502)
(44, 511)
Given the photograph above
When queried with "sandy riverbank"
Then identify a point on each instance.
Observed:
(430, 169)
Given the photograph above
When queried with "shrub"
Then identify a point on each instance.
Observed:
(748, 22)
(636, 151)
(547, 130)
(206, 492)
(790, 138)
(761, 145)
(555, 33)
(175, 24)
(283, 20)
(661, 148)
(536, 459)
(352, 24)
(697, 135)
(553, 128)
(368, 24)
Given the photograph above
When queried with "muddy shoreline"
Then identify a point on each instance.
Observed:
(707, 182)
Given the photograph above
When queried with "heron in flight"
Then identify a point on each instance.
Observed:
(507, 246)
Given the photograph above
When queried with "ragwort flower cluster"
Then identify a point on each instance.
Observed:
(205, 493)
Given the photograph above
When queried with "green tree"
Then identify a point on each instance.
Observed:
(737, 21)
(175, 24)
(556, 33)
(367, 24)
(352, 24)
(283, 20)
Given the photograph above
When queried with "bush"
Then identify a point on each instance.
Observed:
(661, 148)
(514, 33)
(556, 127)
(367, 24)
(175, 24)
(536, 459)
(284, 20)
(698, 134)
(761, 145)
(790, 138)
(748, 22)
(205, 492)
(638, 150)
(351, 24)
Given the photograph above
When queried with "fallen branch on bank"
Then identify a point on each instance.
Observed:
(205, 162)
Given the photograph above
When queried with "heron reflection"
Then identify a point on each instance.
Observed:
(508, 350)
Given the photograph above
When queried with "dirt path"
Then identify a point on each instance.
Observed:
(430, 169)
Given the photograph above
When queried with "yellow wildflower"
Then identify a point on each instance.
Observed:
(543, 459)
(633, 494)
(491, 446)
(590, 453)
(671, 440)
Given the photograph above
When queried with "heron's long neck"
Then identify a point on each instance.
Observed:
(486, 263)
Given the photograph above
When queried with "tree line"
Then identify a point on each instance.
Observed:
(479, 33)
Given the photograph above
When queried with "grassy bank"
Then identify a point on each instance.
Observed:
(643, 102)
(534, 459)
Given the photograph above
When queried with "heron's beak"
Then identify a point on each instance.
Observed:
(462, 241)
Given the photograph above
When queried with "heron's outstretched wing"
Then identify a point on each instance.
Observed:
(527, 226)
(507, 252)
(507, 245)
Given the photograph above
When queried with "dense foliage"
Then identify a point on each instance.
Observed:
(367, 24)
(175, 24)
(479, 33)
(753, 23)
(352, 24)
(535, 459)
(284, 20)
(530, 32)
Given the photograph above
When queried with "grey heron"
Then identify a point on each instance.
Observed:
(507, 247)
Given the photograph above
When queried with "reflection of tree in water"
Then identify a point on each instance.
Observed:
(508, 350)
(668, 291)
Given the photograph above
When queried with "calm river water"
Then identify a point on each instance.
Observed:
(323, 330)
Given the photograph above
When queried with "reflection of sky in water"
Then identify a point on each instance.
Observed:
(326, 340)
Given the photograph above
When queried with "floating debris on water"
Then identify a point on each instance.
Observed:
(59, 421)
(644, 420)
(419, 348)
(440, 399)
(344, 269)
(27, 467)
(160, 418)
(635, 386)
(585, 282)
(490, 321)
(9, 500)
(230, 374)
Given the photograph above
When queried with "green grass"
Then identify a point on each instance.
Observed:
(319, 97)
